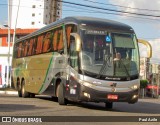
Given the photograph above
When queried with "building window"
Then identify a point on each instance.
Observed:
(33, 6)
(33, 23)
(33, 14)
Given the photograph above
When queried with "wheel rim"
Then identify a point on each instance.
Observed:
(57, 90)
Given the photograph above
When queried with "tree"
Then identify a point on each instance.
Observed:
(143, 83)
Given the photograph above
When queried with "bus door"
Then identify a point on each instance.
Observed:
(72, 85)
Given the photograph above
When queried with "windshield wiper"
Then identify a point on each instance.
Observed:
(121, 62)
(104, 66)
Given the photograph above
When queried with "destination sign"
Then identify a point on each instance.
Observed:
(98, 32)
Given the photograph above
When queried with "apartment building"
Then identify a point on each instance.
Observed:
(34, 13)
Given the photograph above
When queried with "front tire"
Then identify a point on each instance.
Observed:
(60, 94)
(25, 94)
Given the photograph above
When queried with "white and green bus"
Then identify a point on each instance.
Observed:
(79, 59)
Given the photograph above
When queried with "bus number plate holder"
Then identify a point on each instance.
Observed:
(112, 97)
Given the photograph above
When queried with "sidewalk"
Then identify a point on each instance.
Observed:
(9, 91)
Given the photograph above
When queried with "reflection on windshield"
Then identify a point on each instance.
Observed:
(116, 57)
(126, 55)
(96, 54)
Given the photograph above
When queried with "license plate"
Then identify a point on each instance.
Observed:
(114, 97)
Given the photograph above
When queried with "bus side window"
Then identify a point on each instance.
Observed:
(47, 42)
(30, 47)
(70, 28)
(54, 40)
(39, 44)
(15, 51)
(68, 31)
(22, 50)
(34, 46)
(25, 48)
(60, 44)
(19, 49)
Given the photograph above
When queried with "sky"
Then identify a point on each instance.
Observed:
(145, 27)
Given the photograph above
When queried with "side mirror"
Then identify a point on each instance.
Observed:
(148, 45)
(77, 41)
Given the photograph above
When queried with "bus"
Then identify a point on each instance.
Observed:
(82, 59)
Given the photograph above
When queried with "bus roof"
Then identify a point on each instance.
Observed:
(88, 21)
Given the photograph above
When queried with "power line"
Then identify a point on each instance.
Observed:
(120, 6)
(93, 11)
(100, 8)
(93, 7)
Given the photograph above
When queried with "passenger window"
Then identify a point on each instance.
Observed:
(47, 42)
(19, 49)
(60, 40)
(25, 48)
(39, 44)
(54, 41)
(57, 40)
(70, 28)
(30, 47)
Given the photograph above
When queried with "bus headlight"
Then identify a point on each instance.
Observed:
(134, 87)
(85, 83)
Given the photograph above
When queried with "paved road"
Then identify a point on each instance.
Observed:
(11, 105)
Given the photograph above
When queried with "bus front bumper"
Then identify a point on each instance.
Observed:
(92, 95)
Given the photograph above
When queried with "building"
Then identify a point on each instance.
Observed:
(34, 14)
(52, 11)
(4, 51)
(144, 67)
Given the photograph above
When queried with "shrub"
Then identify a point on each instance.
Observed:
(143, 83)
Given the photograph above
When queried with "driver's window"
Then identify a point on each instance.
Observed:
(73, 54)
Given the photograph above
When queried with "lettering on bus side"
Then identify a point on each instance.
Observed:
(32, 46)
(57, 41)
(47, 42)
(39, 44)
(19, 49)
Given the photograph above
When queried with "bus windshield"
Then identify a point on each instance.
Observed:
(109, 54)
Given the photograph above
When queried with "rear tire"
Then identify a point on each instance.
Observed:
(109, 105)
(24, 93)
(19, 88)
(19, 93)
(32, 95)
(60, 94)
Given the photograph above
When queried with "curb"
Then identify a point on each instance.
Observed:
(9, 92)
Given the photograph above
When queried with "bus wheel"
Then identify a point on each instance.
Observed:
(32, 95)
(60, 94)
(19, 88)
(109, 105)
(24, 93)
(19, 93)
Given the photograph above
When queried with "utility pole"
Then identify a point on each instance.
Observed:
(8, 58)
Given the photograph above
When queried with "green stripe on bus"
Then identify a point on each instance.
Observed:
(46, 73)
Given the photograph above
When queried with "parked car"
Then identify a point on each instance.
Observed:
(152, 91)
